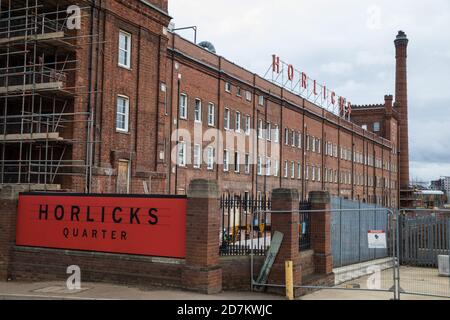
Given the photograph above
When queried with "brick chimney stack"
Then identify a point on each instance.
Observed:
(401, 103)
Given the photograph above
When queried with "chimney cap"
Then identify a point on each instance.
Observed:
(401, 37)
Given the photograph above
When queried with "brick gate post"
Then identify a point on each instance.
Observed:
(321, 231)
(202, 272)
(8, 213)
(285, 219)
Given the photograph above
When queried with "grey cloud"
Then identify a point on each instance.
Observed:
(341, 44)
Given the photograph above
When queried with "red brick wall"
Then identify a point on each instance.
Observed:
(7, 234)
(236, 271)
(29, 264)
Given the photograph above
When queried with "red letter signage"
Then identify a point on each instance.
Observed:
(276, 64)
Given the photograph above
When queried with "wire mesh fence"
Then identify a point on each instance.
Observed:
(424, 252)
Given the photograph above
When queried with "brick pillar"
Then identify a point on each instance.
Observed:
(8, 211)
(321, 232)
(287, 202)
(202, 272)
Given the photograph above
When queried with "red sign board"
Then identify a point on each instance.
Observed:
(140, 225)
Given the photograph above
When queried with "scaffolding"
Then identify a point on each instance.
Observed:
(39, 120)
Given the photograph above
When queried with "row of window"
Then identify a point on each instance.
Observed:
(248, 94)
(269, 167)
(270, 133)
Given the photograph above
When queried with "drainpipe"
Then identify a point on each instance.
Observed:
(89, 140)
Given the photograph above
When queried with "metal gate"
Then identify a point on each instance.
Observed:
(424, 248)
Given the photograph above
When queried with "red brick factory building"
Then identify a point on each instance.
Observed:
(94, 107)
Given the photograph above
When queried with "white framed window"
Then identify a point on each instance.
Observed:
(335, 151)
(292, 170)
(319, 174)
(299, 171)
(268, 167)
(248, 125)
(313, 173)
(197, 156)
(299, 142)
(226, 119)
(237, 162)
(260, 166)
(307, 172)
(247, 164)
(238, 92)
(198, 111)
(286, 169)
(276, 133)
(294, 139)
(248, 96)
(124, 49)
(183, 106)
(211, 114)
(210, 153)
(376, 127)
(182, 154)
(364, 126)
(228, 87)
(286, 136)
(261, 100)
(226, 161)
(276, 168)
(269, 131)
(238, 122)
(122, 114)
(260, 129)
(319, 146)
(308, 143)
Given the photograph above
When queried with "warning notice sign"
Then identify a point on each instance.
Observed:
(377, 239)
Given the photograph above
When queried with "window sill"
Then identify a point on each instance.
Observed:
(124, 67)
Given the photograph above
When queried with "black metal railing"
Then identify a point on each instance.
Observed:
(245, 223)
(304, 228)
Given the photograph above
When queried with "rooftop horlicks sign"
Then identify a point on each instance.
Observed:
(298, 82)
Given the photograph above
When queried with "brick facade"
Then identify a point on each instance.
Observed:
(322, 150)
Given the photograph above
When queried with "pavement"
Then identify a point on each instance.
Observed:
(412, 280)
(100, 291)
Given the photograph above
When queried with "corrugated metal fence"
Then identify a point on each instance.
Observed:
(349, 231)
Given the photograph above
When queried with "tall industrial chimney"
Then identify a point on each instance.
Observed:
(401, 102)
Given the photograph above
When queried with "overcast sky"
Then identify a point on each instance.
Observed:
(347, 44)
